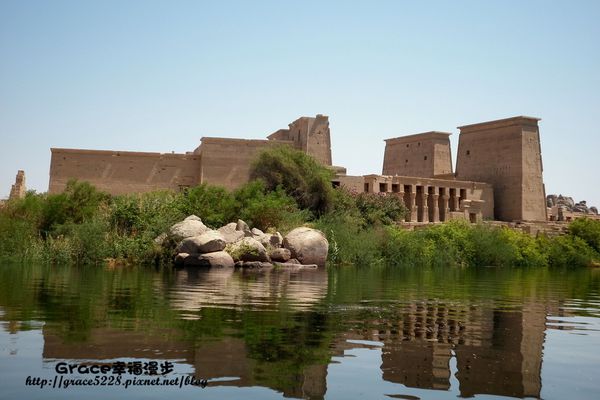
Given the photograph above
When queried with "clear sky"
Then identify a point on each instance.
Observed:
(158, 75)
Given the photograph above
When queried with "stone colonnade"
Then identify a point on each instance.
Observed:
(432, 200)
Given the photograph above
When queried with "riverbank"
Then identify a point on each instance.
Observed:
(84, 226)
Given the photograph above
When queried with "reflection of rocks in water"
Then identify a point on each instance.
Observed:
(196, 288)
(497, 351)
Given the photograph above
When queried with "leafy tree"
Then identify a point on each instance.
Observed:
(298, 174)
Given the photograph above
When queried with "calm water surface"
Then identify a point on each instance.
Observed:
(342, 333)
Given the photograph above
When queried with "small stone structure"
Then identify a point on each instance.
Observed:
(564, 208)
(498, 170)
(18, 190)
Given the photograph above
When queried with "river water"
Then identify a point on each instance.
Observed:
(337, 333)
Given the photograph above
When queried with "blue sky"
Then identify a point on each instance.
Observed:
(159, 75)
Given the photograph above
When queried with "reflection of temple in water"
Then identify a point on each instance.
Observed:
(497, 351)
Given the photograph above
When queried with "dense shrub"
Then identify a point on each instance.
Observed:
(349, 242)
(588, 230)
(215, 205)
(299, 175)
(267, 210)
(569, 251)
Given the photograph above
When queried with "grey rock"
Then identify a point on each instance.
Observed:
(280, 254)
(257, 232)
(230, 234)
(217, 259)
(208, 242)
(276, 240)
(180, 258)
(242, 226)
(309, 246)
(248, 249)
(188, 228)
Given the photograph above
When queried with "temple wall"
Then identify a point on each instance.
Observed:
(227, 162)
(121, 172)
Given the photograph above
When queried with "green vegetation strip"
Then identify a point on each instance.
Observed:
(288, 189)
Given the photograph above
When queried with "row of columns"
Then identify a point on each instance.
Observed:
(429, 203)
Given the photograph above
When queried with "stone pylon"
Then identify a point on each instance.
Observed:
(18, 189)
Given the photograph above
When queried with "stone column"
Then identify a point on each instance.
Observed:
(436, 208)
(455, 200)
(445, 207)
(425, 196)
(412, 207)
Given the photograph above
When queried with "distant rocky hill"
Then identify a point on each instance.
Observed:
(569, 204)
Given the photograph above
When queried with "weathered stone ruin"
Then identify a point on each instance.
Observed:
(18, 190)
(498, 171)
(564, 208)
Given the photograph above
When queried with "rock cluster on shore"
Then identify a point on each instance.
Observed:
(569, 204)
(236, 245)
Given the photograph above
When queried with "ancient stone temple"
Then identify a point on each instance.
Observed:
(506, 153)
(217, 161)
(18, 190)
(498, 171)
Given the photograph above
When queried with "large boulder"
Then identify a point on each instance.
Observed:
(309, 246)
(207, 242)
(248, 249)
(230, 233)
(219, 259)
(191, 226)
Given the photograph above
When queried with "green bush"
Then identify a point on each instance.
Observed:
(569, 251)
(215, 205)
(377, 208)
(588, 230)
(349, 242)
(268, 210)
(299, 175)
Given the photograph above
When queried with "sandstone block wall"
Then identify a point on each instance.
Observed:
(425, 155)
(505, 153)
(226, 162)
(310, 135)
(120, 172)
(18, 190)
